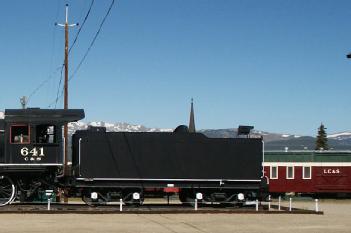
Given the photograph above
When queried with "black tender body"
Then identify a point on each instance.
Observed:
(165, 157)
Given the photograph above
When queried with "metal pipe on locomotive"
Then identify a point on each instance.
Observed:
(108, 166)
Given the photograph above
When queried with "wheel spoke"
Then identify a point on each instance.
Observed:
(7, 191)
(6, 187)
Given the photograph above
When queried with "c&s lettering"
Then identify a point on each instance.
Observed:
(331, 171)
(34, 154)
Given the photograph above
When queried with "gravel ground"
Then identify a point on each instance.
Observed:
(336, 218)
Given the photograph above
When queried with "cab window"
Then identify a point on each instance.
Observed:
(45, 134)
(19, 134)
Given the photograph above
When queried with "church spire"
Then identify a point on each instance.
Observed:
(192, 120)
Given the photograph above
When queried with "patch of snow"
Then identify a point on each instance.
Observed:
(165, 130)
(109, 125)
(343, 134)
(93, 123)
(286, 135)
(2, 115)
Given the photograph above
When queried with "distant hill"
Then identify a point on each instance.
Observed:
(232, 133)
(307, 143)
(275, 141)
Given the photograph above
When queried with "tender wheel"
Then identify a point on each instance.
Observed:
(7, 190)
(130, 201)
(86, 198)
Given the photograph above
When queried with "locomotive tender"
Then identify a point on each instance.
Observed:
(107, 166)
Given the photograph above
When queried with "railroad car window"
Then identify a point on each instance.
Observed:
(274, 172)
(306, 173)
(19, 134)
(290, 172)
(46, 134)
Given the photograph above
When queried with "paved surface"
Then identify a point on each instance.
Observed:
(336, 218)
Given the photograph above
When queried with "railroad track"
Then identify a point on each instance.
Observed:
(60, 208)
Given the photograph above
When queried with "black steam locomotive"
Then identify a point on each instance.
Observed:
(108, 166)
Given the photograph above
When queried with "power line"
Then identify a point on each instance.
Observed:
(58, 89)
(56, 100)
(80, 28)
(42, 84)
(93, 41)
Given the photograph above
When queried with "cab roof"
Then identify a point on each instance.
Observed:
(37, 115)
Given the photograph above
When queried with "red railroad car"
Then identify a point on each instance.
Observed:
(313, 172)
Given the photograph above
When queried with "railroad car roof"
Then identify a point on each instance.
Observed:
(34, 115)
(307, 156)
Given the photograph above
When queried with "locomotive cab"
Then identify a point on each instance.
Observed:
(33, 137)
(31, 151)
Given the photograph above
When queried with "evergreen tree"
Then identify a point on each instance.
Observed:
(322, 140)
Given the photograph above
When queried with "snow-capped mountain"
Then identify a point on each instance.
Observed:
(113, 127)
(340, 136)
(212, 133)
(231, 133)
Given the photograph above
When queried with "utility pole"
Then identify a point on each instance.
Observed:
(66, 26)
(66, 171)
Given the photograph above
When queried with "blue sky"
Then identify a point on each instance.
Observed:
(277, 65)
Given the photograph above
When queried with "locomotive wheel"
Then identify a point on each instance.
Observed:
(7, 190)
